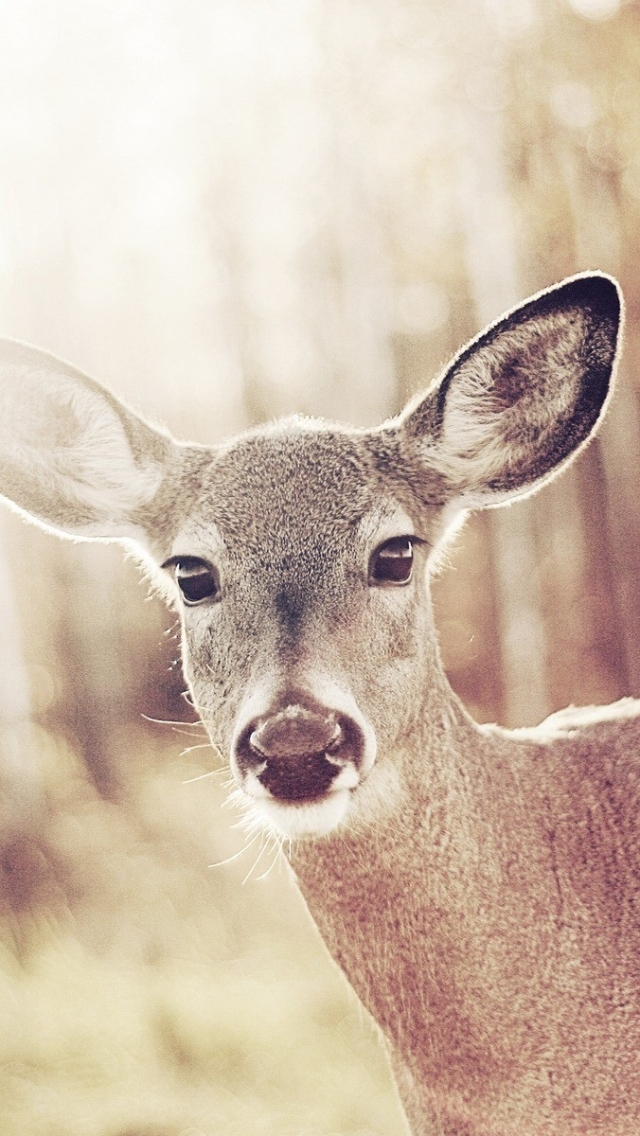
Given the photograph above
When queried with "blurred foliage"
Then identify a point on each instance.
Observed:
(148, 991)
(231, 210)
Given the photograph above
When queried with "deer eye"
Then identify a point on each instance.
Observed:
(198, 581)
(392, 562)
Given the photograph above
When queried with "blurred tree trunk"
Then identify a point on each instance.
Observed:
(486, 217)
(620, 449)
(590, 168)
(98, 672)
(19, 782)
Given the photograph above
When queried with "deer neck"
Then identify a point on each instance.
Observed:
(398, 898)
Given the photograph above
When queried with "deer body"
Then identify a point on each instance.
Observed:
(478, 887)
(488, 958)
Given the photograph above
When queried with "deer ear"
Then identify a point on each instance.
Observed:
(72, 455)
(522, 398)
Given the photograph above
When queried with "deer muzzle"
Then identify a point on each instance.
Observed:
(300, 752)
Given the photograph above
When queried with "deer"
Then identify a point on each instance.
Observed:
(478, 886)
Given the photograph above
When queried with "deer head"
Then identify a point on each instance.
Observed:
(298, 553)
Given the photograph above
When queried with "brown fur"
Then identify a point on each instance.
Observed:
(512, 988)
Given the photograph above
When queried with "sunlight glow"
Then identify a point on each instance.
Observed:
(421, 308)
(595, 9)
(574, 105)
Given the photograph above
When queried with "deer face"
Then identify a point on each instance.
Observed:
(301, 576)
(297, 553)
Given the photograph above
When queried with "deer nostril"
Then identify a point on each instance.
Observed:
(300, 752)
(295, 732)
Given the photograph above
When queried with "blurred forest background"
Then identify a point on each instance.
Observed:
(228, 210)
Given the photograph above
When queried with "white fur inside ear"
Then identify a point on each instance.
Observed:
(66, 458)
(99, 463)
(505, 399)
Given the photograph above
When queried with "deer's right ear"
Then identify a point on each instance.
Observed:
(520, 400)
(72, 455)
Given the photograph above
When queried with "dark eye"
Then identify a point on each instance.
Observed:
(198, 581)
(392, 562)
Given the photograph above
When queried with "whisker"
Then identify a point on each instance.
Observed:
(200, 745)
(180, 727)
(235, 855)
(236, 800)
(201, 776)
(206, 745)
(276, 848)
(257, 860)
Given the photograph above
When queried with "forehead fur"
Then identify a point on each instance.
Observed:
(322, 473)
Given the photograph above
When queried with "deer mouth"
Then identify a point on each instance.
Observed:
(303, 778)
(299, 762)
(294, 805)
(299, 817)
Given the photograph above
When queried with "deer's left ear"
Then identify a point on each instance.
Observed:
(522, 398)
(72, 455)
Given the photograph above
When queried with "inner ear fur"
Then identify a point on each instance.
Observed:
(523, 397)
(72, 455)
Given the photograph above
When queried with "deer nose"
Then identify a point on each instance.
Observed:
(299, 753)
(295, 731)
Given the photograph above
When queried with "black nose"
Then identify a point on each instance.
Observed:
(297, 750)
(295, 731)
